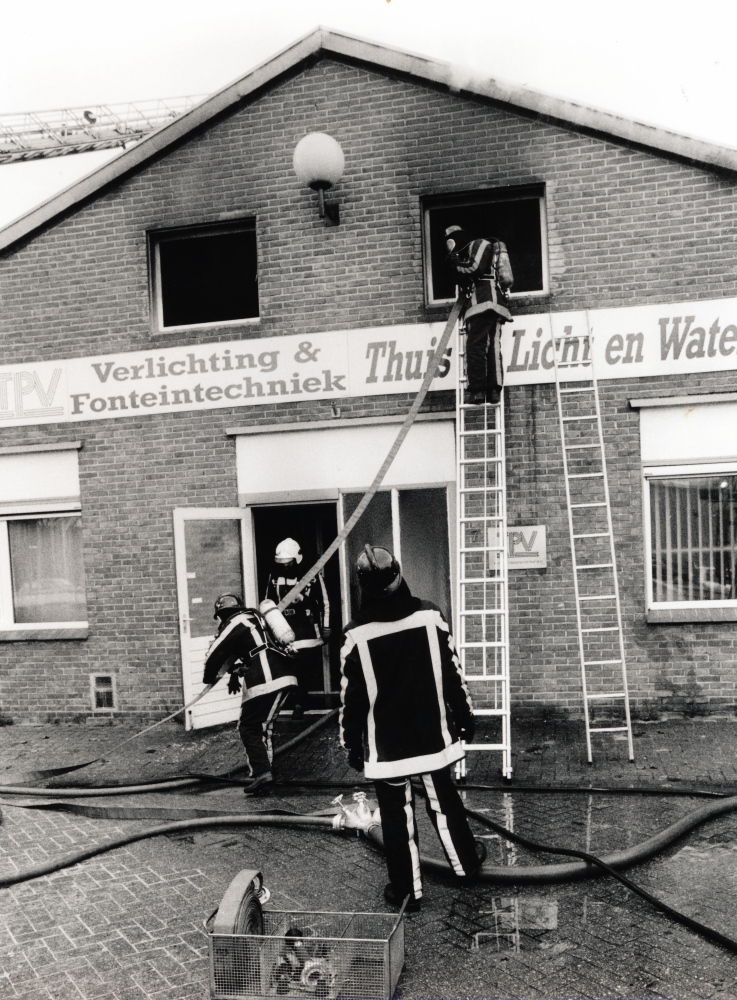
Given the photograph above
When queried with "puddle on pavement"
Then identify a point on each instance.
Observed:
(696, 875)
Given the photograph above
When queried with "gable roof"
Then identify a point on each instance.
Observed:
(421, 68)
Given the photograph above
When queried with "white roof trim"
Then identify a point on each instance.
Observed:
(455, 78)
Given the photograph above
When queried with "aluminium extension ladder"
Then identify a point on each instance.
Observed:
(598, 608)
(482, 584)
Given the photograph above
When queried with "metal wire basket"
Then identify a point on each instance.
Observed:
(342, 956)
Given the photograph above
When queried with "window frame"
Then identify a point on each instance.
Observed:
(156, 237)
(680, 471)
(462, 199)
(395, 490)
(96, 709)
(7, 604)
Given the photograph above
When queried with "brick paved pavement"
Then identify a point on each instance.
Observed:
(128, 924)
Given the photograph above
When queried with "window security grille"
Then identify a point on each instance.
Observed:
(694, 538)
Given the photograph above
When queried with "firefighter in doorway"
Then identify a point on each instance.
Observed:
(484, 276)
(244, 648)
(404, 708)
(308, 615)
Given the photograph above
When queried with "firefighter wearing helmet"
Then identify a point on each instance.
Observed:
(484, 276)
(404, 711)
(244, 648)
(308, 616)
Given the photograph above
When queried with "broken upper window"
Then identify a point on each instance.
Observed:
(205, 275)
(516, 216)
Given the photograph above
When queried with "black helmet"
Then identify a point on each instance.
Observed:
(378, 571)
(226, 605)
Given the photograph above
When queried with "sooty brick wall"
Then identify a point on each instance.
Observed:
(624, 226)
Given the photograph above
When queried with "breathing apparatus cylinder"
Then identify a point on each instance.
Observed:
(278, 625)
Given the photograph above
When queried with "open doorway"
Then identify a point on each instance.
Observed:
(314, 526)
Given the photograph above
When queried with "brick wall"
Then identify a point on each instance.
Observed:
(624, 227)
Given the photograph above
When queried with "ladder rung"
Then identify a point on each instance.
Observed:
(599, 503)
(479, 517)
(496, 580)
(611, 729)
(479, 461)
(601, 597)
(483, 645)
(484, 548)
(489, 711)
(588, 388)
(596, 566)
(589, 416)
(480, 489)
(585, 475)
(594, 534)
(599, 663)
(485, 611)
(488, 430)
(573, 447)
(602, 697)
(605, 628)
(488, 746)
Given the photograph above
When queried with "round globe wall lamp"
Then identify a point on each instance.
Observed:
(319, 162)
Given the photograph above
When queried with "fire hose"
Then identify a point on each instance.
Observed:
(363, 820)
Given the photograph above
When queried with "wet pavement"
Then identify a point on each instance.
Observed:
(128, 924)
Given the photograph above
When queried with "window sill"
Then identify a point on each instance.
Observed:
(677, 616)
(42, 634)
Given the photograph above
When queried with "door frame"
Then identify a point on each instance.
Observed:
(294, 498)
(180, 515)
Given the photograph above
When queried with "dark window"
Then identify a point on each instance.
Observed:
(206, 276)
(516, 217)
(103, 692)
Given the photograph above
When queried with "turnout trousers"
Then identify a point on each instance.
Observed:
(255, 726)
(445, 809)
(484, 352)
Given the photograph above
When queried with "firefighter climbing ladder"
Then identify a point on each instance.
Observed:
(482, 633)
(598, 609)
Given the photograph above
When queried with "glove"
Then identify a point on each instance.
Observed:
(355, 759)
(234, 685)
(467, 729)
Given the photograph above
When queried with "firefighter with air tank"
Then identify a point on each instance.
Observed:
(262, 658)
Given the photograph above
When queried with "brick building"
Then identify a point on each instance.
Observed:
(275, 355)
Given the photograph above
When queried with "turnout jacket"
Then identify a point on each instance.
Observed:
(402, 694)
(485, 274)
(308, 614)
(241, 645)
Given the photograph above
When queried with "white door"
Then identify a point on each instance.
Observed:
(211, 559)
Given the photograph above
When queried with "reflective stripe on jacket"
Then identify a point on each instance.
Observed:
(402, 694)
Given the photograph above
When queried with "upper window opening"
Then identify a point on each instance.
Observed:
(206, 276)
(516, 216)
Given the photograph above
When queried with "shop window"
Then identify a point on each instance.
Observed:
(516, 216)
(413, 524)
(42, 571)
(205, 276)
(692, 536)
(42, 581)
(102, 692)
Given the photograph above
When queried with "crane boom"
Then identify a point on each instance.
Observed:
(34, 135)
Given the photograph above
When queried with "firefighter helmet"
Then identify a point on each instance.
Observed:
(226, 605)
(379, 573)
(288, 551)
